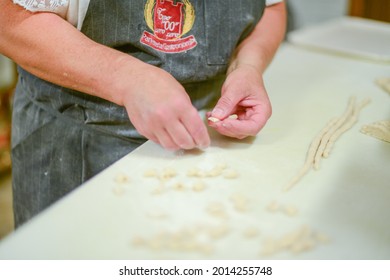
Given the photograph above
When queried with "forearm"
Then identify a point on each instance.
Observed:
(52, 49)
(260, 46)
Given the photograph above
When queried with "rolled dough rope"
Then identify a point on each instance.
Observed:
(315, 147)
(325, 138)
(310, 155)
(352, 120)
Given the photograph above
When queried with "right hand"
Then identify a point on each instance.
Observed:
(161, 110)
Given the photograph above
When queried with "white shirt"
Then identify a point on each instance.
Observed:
(73, 11)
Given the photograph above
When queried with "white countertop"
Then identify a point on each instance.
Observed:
(350, 36)
(348, 199)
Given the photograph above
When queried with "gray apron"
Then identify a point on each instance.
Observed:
(62, 137)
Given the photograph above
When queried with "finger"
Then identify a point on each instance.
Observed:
(154, 139)
(228, 101)
(225, 106)
(229, 129)
(147, 134)
(241, 128)
(180, 136)
(165, 140)
(196, 128)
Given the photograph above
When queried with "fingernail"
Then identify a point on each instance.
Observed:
(204, 146)
(217, 112)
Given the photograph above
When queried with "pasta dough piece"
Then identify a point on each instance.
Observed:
(220, 166)
(290, 210)
(215, 172)
(178, 186)
(230, 174)
(138, 241)
(240, 202)
(231, 117)
(182, 240)
(168, 173)
(214, 120)
(194, 172)
(151, 173)
(121, 178)
(298, 241)
(379, 130)
(198, 186)
(217, 210)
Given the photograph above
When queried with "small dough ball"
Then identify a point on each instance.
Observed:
(198, 186)
(150, 173)
(230, 174)
(121, 178)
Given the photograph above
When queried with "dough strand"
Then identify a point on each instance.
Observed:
(353, 119)
(326, 138)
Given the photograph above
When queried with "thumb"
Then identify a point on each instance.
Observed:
(224, 107)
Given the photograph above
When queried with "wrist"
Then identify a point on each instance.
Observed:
(244, 65)
(237, 63)
(126, 72)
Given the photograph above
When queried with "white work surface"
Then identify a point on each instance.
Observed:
(348, 199)
(352, 36)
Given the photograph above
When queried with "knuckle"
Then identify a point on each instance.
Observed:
(159, 112)
(225, 101)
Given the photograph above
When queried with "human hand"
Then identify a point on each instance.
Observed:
(243, 94)
(161, 110)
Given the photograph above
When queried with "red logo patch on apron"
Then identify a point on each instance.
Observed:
(169, 22)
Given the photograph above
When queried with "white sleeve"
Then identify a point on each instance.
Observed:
(77, 11)
(271, 2)
(71, 10)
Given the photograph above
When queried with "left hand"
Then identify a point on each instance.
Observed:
(243, 93)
